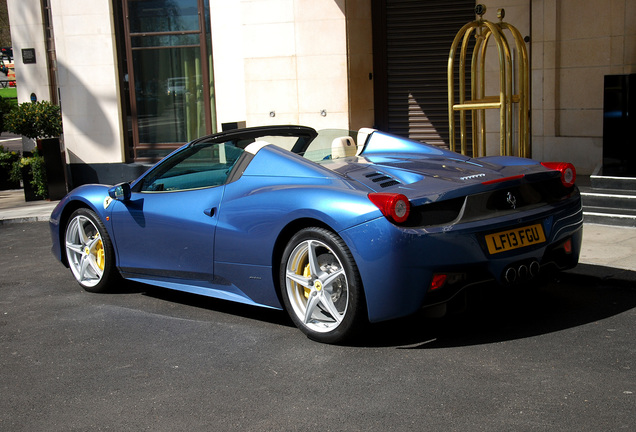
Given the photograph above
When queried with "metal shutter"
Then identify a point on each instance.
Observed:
(418, 39)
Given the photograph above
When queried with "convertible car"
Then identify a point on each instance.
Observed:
(338, 228)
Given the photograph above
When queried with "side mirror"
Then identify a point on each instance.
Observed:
(120, 192)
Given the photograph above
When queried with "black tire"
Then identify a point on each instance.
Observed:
(333, 293)
(89, 251)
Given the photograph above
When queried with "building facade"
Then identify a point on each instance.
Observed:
(137, 78)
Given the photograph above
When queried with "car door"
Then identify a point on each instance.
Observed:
(165, 231)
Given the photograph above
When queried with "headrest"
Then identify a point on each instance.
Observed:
(343, 147)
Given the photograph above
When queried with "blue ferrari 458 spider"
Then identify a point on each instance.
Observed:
(338, 228)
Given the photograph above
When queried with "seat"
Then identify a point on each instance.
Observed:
(343, 147)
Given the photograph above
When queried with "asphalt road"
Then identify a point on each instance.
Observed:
(562, 357)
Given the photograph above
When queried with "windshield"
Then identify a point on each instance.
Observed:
(316, 146)
(328, 144)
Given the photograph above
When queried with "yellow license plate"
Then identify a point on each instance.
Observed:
(515, 238)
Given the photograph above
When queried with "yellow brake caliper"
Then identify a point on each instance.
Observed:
(307, 273)
(99, 254)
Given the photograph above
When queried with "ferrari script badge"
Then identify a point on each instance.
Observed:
(474, 176)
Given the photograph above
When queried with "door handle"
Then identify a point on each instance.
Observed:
(209, 212)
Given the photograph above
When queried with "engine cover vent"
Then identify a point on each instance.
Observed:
(384, 180)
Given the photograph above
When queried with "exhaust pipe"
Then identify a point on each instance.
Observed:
(510, 275)
(522, 273)
(535, 268)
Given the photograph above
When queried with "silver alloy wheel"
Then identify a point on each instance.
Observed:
(85, 251)
(317, 286)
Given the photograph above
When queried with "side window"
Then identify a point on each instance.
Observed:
(199, 166)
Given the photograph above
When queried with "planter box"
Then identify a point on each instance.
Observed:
(29, 192)
(5, 183)
(55, 167)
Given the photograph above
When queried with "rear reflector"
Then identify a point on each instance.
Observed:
(438, 281)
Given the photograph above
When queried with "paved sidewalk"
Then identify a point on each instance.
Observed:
(603, 245)
(609, 246)
(14, 209)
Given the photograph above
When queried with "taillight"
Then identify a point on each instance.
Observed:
(568, 172)
(395, 207)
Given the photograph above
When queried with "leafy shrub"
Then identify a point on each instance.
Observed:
(35, 120)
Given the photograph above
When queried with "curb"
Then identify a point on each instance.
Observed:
(24, 219)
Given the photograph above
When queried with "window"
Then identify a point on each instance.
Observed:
(198, 166)
(168, 74)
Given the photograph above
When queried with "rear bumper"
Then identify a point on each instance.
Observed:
(397, 264)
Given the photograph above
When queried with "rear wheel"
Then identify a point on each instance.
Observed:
(321, 286)
(89, 251)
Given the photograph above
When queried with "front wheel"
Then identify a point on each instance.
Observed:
(321, 286)
(89, 251)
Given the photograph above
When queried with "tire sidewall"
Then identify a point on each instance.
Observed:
(109, 272)
(354, 315)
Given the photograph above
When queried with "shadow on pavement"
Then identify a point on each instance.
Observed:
(587, 295)
(578, 297)
(271, 316)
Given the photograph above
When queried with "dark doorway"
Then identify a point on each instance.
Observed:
(411, 43)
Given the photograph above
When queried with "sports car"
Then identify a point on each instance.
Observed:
(338, 228)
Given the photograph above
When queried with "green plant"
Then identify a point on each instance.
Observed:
(35, 120)
(35, 164)
(7, 158)
(7, 104)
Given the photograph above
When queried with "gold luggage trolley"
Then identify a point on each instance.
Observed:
(478, 101)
